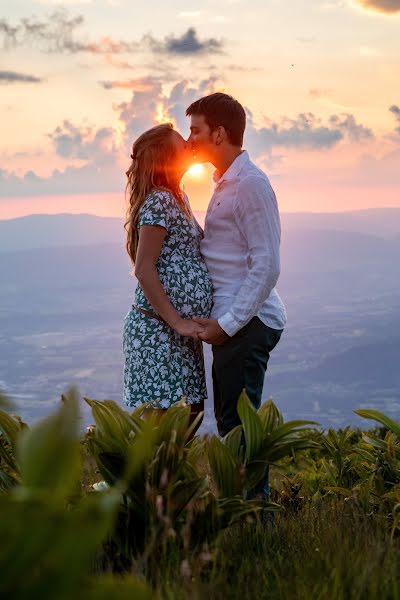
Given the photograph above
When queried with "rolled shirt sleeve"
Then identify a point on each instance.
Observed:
(257, 218)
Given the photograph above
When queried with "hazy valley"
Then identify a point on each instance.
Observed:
(66, 287)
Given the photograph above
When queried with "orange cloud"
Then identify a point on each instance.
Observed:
(145, 84)
(382, 6)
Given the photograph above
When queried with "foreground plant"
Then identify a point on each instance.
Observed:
(10, 427)
(238, 461)
(167, 498)
(50, 534)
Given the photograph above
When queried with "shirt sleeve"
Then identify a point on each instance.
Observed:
(257, 218)
(157, 210)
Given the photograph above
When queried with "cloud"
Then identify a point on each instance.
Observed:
(83, 143)
(139, 113)
(118, 64)
(13, 77)
(73, 180)
(241, 69)
(105, 161)
(182, 95)
(143, 84)
(305, 131)
(382, 6)
(57, 33)
(395, 110)
(105, 153)
(187, 44)
(101, 171)
(348, 125)
(319, 93)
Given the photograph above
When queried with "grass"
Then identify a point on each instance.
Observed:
(325, 549)
(174, 524)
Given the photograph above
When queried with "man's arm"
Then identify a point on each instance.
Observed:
(257, 217)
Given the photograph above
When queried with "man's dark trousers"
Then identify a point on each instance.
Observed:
(239, 363)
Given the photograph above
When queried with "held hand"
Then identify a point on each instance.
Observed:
(188, 328)
(212, 332)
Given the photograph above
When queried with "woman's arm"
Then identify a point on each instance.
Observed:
(151, 239)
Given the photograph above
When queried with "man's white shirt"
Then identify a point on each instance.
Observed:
(241, 248)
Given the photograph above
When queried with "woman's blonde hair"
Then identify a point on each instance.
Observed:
(153, 156)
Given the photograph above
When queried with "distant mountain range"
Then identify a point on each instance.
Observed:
(382, 222)
(67, 285)
(43, 231)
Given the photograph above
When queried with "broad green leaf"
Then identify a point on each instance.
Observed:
(194, 425)
(140, 451)
(49, 453)
(196, 450)
(225, 468)
(233, 441)
(10, 427)
(288, 429)
(288, 448)
(184, 492)
(128, 422)
(174, 424)
(255, 471)
(252, 425)
(270, 415)
(50, 550)
(376, 415)
(108, 424)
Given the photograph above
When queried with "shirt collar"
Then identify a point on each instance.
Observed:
(234, 169)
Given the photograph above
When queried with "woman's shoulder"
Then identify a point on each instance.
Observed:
(163, 195)
(159, 208)
(159, 198)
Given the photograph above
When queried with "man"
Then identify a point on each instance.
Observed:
(241, 249)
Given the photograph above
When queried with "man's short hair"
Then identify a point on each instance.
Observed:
(221, 110)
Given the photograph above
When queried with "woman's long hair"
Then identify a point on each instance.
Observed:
(153, 160)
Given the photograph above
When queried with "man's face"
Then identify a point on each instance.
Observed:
(201, 139)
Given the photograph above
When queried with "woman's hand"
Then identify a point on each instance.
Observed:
(188, 328)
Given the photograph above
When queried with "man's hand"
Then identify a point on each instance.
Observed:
(212, 332)
(188, 328)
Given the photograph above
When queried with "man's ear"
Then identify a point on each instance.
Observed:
(220, 135)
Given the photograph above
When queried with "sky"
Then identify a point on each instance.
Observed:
(81, 79)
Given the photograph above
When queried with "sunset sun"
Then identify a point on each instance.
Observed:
(197, 170)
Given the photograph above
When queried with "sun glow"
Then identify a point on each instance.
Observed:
(196, 170)
(161, 115)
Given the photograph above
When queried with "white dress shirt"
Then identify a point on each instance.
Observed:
(241, 248)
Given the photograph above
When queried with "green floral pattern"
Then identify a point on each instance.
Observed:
(161, 365)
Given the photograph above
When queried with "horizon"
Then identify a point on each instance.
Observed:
(202, 212)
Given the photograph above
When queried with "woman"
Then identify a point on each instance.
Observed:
(163, 355)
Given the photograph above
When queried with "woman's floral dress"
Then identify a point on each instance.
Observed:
(161, 365)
